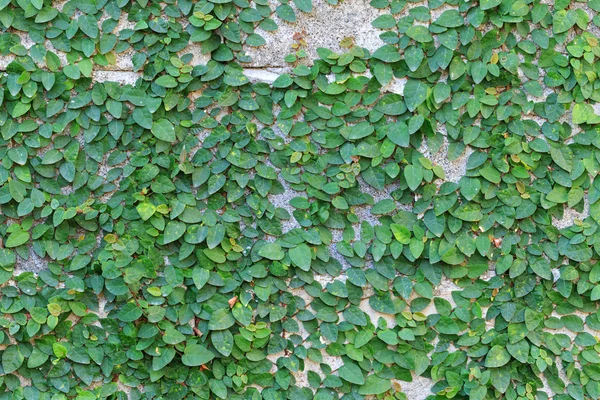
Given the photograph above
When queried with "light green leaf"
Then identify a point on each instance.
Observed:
(352, 373)
(173, 231)
(129, 312)
(146, 210)
(163, 129)
(195, 355)
(17, 238)
(271, 251)
(375, 385)
(301, 256)
(12, 359)
(497, 357)
(415, 93)
(413, 176)
(221, 319)
(387, 53)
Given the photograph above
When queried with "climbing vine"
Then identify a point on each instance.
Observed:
(209, 236)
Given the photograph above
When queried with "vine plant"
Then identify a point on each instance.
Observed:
(175, 271)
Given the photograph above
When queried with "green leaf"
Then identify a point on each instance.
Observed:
(413, 57)
(488, 4)
(578, 252)
(223, 342)
(20, 109)
(195, 355)
(146, 210)
(107, 43)
(385, 21)
(401, 233)
(163, 129)
(283, 81)
(215, 183)
(447, 326)
(46, 14)
(166, 81)
(519, 350)
(173, 231)
(286, 13)
(595, 294)
(255, 40)
(36, 359)
(80, 261)
(358, 131)
(563, 20)
(143, 117)
(200, 277)
(375, 385)
(173, 336)
(450, 19)
(59, 350)
(468, 212)
(478, 71)
(419, 33)
(392, 104)
(563, 157)
(497, 357)
(301, 256)
(88, 25)
(221, 319)
(384, 206)
(12, 359)
(415, 93)
(413, 176)
(387, 53)
(235, 77)
(242, 314)
(304, 5)
(17, 238)
(271, 251)
(215, 236)
(129, 312)
(7, 259)
(352, 373)
(165, 356)
(491, 174)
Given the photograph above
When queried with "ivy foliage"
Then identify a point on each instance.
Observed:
(209, 237)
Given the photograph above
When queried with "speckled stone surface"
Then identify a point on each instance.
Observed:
(325, 26)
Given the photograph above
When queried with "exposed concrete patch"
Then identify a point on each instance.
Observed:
(436, 13)
(325, 26)
(124, 61)
(198, 58)
(570, 215)
(375, 315)
(568, 332)
(454, 169)
(443, 290)
(34, 263)
(283, 201)
(396, 85)
(5, 60)
(260, 75)
(334, 253)
(309, 365)
(418, 389)
(122, 77)
(490, 273)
